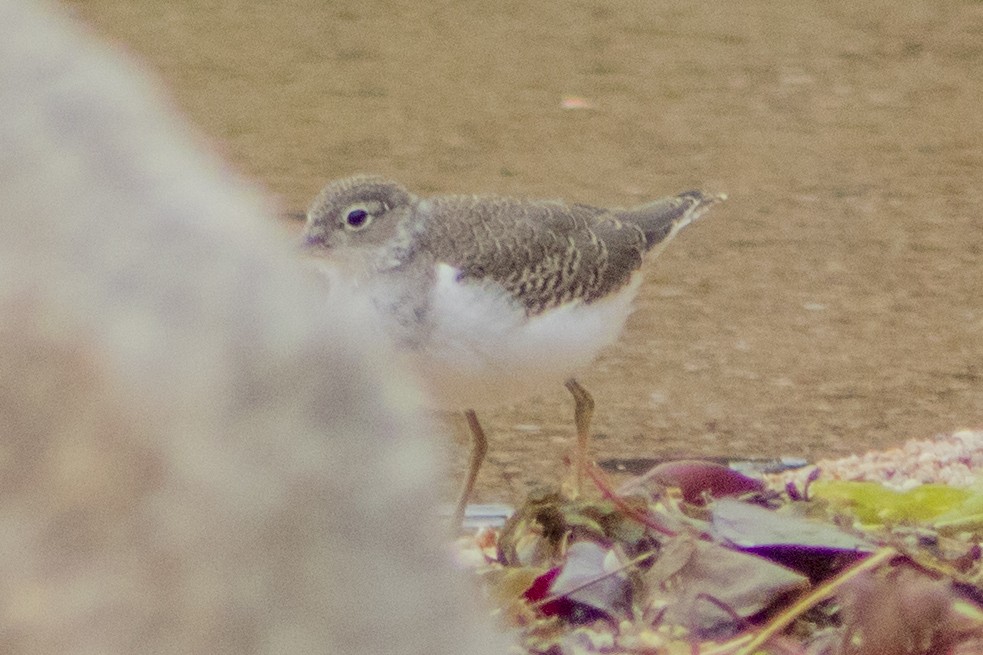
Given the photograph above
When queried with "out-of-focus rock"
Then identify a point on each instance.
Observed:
(198, 453)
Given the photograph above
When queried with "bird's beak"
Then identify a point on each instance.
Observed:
(312, 241)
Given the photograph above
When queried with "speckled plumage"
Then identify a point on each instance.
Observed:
(543, 253)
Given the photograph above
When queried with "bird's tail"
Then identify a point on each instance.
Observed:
(662, 219)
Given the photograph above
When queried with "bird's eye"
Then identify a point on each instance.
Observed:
(356, 219)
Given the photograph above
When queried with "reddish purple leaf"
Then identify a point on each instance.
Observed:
(696, 478)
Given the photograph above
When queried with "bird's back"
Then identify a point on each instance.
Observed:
(545, 253)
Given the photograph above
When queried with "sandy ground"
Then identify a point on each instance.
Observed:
(833, 305)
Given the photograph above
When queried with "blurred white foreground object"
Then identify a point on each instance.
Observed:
(192, 460)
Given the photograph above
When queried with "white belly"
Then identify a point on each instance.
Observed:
(484, 351)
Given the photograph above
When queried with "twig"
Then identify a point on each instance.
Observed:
(645, 519)
(814, 597)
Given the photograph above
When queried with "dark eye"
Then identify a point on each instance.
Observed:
(357, 218)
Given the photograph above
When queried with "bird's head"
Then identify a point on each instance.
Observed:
(357, 219)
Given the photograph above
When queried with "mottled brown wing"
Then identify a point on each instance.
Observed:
(543, 253)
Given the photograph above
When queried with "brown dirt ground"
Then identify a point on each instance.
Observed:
(833, 305)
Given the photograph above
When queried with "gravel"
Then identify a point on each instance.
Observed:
(954, 459)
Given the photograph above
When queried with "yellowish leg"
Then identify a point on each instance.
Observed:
(479, 446)
(583, 412)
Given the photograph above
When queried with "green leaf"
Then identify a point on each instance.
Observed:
(873, 503)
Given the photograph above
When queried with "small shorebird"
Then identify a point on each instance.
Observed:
(490, 297)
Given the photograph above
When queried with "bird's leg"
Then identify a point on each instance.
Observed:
(583, 412)
(479, 446)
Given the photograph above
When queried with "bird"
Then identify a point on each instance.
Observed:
(488, 298)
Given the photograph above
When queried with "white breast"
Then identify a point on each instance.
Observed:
(484, 351)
